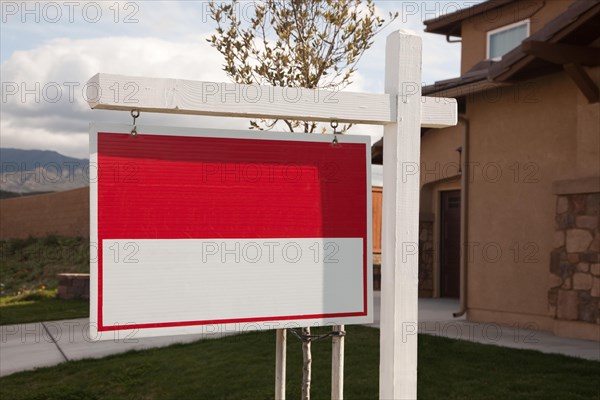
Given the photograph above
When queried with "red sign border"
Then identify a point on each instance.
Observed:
(196, 132)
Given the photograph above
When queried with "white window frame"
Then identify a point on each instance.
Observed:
(525, 22)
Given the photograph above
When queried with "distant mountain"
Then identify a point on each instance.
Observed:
(29, 160)
(27, 171)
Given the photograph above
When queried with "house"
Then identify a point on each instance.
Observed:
(510, 197)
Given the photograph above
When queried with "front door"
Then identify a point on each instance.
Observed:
(450, 244)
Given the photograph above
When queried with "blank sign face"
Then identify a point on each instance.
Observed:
(203, 231)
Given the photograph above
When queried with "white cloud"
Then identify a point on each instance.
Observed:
(42, 102)
(57, 69)
(43, 106)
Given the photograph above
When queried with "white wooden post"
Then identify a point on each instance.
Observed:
(280, 360)
(399, 267)
(337, 365)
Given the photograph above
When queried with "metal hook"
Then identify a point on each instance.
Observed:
(135, 114)
(334, 125)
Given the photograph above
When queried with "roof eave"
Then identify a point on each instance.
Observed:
(503, 72)
(450, 24)
(514, 61)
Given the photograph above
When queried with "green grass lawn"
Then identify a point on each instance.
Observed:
(242, 367)
(40, 305)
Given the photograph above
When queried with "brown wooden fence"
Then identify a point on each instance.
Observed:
(377, 192)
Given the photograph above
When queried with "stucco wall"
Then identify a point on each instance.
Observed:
(520, 145)
(588, 130)
(62, 213)
(523, 139)
(439, 160)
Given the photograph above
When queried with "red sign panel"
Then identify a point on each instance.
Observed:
(266, 217)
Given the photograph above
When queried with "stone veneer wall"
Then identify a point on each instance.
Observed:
(376, 271)
(574, 293)
(73, 286)
(425, 259)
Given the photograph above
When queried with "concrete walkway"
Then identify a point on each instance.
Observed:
(28, 346)
(435, 318)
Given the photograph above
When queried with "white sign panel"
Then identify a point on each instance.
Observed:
(210, 231)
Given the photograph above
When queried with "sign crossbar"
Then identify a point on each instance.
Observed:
(178, 96)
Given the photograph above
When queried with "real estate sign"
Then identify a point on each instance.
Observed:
(202, 231)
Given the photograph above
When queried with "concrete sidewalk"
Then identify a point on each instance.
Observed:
(435, 318)
(28, 346)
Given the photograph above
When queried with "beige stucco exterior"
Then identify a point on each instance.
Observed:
(522, 139)
(532, 144)
(533, 158)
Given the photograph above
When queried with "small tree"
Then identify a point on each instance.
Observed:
(294, 43)
(313, 44)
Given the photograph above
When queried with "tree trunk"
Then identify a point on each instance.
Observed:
(306, 370)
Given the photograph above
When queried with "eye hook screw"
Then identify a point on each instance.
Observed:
(334, 125)
(135, 114)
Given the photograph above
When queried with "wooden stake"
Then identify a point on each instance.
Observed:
(280, 363)
(307, 365)
(337, 365)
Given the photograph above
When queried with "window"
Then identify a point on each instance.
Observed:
(502, 40)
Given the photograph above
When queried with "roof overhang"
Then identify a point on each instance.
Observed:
(576, 26)
(450, 24)
(460, 91)
(562, 44)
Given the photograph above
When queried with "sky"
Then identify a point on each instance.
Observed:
(49, 49)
